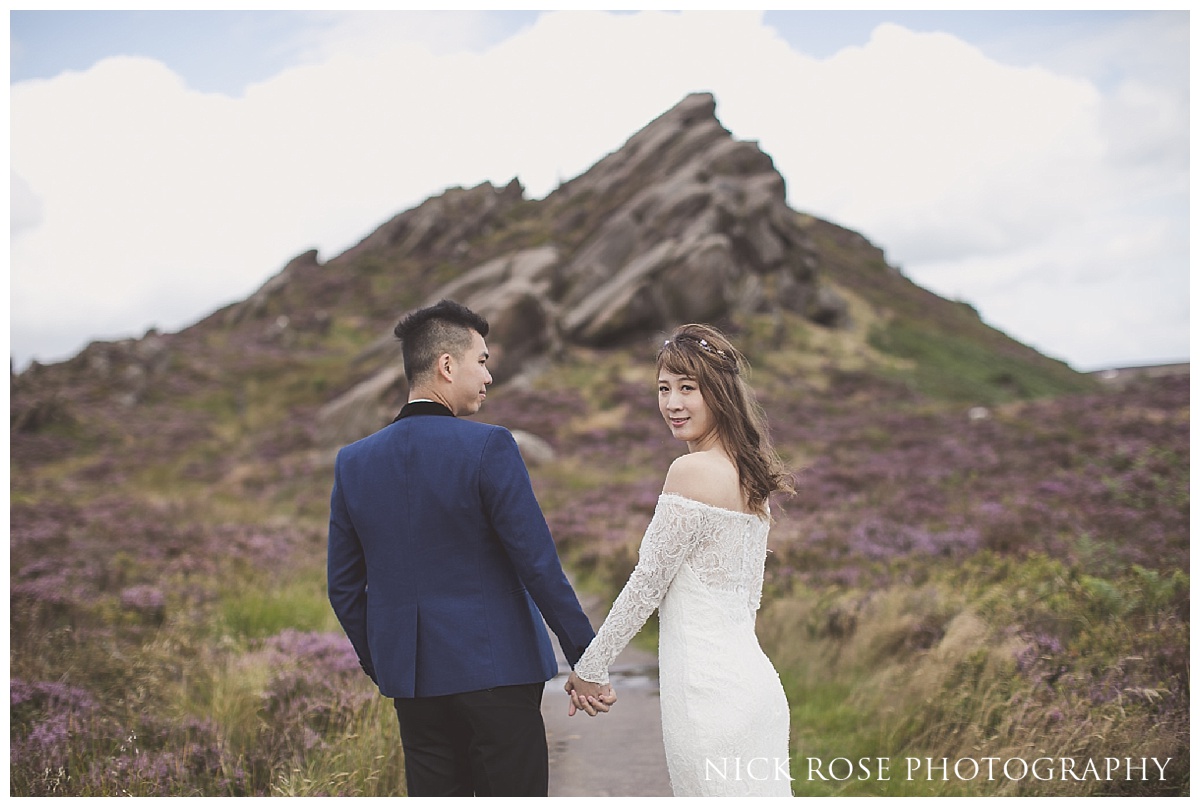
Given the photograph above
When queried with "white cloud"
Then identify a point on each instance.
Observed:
(1114, 290)
(159, 204)
(25, 209)
(919, 134)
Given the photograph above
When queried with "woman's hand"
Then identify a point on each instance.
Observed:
(588, 697)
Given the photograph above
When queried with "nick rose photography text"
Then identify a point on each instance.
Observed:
(1045, 769)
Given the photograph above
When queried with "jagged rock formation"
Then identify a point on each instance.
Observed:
(704, 233)
(681, 224)
(686, 224)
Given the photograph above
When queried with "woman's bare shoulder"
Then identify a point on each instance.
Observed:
(705, 477)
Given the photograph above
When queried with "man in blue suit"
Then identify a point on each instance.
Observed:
(442, 568)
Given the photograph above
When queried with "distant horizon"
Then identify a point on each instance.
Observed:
(1150, 366)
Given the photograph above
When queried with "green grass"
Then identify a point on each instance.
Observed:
(862, 693)
(259, 609)
(950, 367)
(363, 759)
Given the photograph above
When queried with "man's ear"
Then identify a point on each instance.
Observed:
(445, 367)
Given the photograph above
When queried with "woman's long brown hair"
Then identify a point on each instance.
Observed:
(704, 354)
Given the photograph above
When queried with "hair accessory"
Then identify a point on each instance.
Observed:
(704, 345)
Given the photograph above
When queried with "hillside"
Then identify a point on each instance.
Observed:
(682, 223)
(977, 525)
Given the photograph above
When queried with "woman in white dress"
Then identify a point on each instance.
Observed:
(724, 712)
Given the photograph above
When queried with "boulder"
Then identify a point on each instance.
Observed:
(534, 450)
(365, 408)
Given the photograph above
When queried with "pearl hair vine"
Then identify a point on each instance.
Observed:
(703, 343)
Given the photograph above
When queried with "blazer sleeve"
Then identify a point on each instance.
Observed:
(517, 518)
(347, 575)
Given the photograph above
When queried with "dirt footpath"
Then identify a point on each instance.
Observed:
(614, 754)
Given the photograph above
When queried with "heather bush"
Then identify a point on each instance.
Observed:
(179, 714)
(949, 580)
(159, 650)
(952, 583)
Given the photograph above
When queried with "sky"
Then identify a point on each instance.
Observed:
(1035, 164)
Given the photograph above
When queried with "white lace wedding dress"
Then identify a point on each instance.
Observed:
(724, 712)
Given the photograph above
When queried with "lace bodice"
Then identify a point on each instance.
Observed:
(725, 549)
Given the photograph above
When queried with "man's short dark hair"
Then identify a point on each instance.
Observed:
(427, 333)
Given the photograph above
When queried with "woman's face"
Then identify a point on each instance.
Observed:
(683, 408)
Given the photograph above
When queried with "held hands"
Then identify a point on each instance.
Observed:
(588, 697)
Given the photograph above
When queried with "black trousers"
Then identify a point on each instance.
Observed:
(491, 742)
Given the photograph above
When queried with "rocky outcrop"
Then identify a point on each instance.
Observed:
(441, 227)
(256, 304)
(514, 294)
(690, 241)
(695, 227)
(681, 224)
(367, 407)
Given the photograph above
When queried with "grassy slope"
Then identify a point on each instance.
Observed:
(167, 556)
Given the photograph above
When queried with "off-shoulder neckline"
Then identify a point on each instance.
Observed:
(699, 503)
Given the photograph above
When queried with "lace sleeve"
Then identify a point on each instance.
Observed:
(756, 583)
(754, 591)
(665, 546)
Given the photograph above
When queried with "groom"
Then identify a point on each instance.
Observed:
(441, 570)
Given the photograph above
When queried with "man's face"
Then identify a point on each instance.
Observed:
(471, 377)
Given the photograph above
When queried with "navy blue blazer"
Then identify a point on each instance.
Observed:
(441, 566)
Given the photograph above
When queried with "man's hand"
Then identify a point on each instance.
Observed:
(588, 697)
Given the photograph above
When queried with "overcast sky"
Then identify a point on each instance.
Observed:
(1035, 164)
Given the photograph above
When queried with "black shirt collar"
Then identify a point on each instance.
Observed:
(423, 408)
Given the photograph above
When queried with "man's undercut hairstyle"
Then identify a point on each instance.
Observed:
(427, 333)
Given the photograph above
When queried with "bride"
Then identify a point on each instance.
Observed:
(724, 712)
